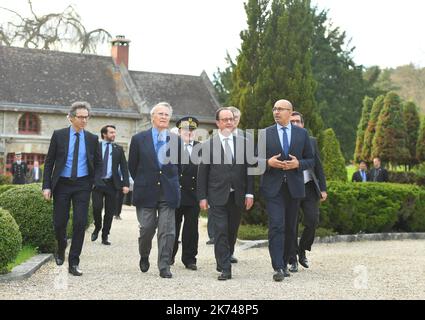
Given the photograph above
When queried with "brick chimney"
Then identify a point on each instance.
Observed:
(120, 50)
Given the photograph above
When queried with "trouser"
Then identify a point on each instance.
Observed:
(226, 221)
(310, 207)
(283, 217)
(78, 192)
(107, 194)
(149, 219)
(190, 234)
(120, 201)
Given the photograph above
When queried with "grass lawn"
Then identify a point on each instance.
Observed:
(350, 170)
(26, 253)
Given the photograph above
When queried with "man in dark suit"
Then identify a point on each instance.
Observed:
(361, 175)
(72, 165)
(189, 205)
(113, 159)
(36, 174)
(154, 166)
(377, 173)
(315, 192)
(288, 152)
(19, 170)
(225, 186)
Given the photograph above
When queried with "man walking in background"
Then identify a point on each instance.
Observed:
(315, 191)
(377, 173)
(113, 161)
(189, 205)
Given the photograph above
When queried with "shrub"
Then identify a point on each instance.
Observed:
(5, 179)
(253, 232)
(373, 207)
(10, 240)
(5, 187)
(33, 215)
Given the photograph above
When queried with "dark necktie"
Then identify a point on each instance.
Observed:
(228, 151)
(75, 157)
(105, 160)
(285, 142)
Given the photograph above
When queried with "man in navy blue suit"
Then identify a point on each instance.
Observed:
(154, 166)
(288, 153)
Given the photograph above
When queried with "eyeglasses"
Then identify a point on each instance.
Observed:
(82, 117)
(163, 114)
(227, 120)
(280, 109)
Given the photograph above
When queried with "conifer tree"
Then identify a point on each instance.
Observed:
(332, 158)
(420, 145)
(390, 140)
(364, 120)
(371, 127)
(412, 122)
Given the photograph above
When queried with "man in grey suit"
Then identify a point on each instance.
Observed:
(315, 192)
(288, 153)
(156, 191)
(225, 186)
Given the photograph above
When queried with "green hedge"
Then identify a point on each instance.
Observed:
(34, 215)
(409, 177)
(373, 207)
(10, 240)
(363, 207)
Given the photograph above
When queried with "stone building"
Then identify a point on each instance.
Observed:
(37, 88)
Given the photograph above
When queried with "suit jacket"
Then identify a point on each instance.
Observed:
(188, 182)
(58, 153)
(216, 178)
(358, 178)
(118, 161)
(300, 147)
(19, 172)
(149, 178)
(378, 175)
(32, 175)
(318, 173)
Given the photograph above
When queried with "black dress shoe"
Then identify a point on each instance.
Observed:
(94, 235)
(144, 264)
(106, 242)
(191, 266)
(75, 271)
(225, 275)
(293, 267)
(219, 269)
(303, 260)
(60, 257)
(286, 272)
(279, 275)
(165, 273)
(233, 259)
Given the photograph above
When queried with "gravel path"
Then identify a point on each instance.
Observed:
(361, 270)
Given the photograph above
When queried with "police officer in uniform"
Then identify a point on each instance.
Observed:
(189, 206)
(19, 170)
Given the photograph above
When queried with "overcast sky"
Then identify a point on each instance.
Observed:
(188, 36)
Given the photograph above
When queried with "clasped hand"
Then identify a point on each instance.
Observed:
(285, 164)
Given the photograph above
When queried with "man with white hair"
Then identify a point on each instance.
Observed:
(156, 191)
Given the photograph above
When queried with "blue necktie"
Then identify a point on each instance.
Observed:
(285, 142)
(160, 152)
(364, 176)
